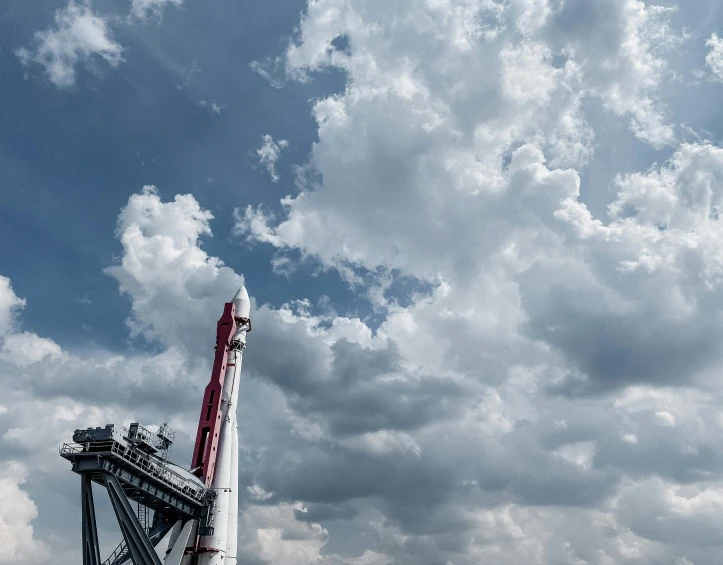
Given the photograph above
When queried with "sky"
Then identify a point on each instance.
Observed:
(482, 243)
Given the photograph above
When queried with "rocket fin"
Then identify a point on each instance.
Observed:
(176, 554)
(174, 535)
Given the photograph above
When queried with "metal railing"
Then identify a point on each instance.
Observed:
(119, 555)
(143, 462)
(69, 449)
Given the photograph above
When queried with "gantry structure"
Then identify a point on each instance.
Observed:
(148, 493)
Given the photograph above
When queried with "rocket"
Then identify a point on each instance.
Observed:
(215, 456)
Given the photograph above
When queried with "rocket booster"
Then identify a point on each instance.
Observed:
(215, 546)
(215, 458)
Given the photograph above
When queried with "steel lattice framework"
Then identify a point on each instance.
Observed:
(129, 473)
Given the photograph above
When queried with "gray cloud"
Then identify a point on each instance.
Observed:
(554, 387)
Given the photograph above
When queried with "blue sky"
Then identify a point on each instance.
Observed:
(482, 243)
(72, 157)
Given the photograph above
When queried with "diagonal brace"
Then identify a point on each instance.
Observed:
(161, 526)
(141, 548)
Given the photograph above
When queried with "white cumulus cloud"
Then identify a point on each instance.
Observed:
(269, 153)
(78, 35)
(17, 538)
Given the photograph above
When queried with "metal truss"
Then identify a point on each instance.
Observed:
(138, 542)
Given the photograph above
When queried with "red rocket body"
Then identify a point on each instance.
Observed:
(210, 420)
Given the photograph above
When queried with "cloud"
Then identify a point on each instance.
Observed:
(575, 346)
(429, 125)
(552, 380)
(172, 281)
(142, 8)
(10, 305)
(434, 437)
(687, 517)
(714, 58)
(212, 106)
(19, 543)
(78, 36)
(269, 71)
(661, 243)
(621, 46)
(20, 348)
(269, 153)
(399, 139)
(82, 36)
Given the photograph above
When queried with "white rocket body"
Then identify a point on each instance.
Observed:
(243, 309)
(232, 535)
(220, 548)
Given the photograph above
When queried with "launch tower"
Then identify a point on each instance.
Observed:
(196, 509)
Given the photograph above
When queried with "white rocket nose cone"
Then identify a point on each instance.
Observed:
(242, 303)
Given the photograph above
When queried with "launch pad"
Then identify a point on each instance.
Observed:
(196, 510)
(133, 467)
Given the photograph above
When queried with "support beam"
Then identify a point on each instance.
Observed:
(91, 551)
(141, 549)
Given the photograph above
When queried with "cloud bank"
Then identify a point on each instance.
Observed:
(548, 393)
